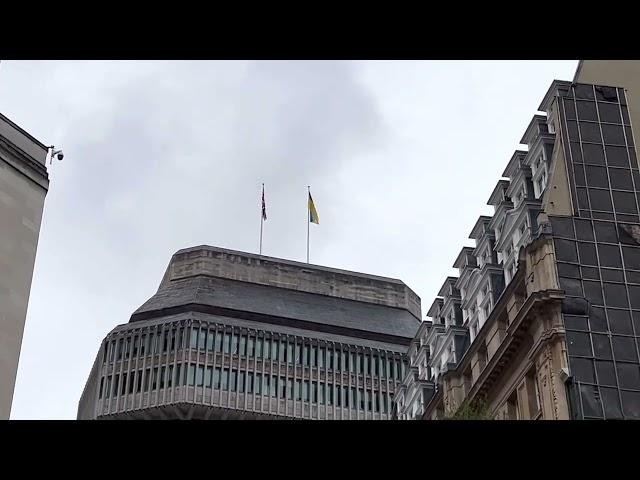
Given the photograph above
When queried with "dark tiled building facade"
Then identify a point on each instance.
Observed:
(235, 335)
(598, 251)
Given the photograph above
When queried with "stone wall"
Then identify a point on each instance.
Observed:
(222, 263)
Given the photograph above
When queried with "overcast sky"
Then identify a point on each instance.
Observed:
(401, 158)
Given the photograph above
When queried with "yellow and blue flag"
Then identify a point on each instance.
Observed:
(313, 213)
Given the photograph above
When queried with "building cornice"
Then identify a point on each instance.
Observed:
(269, 319)
(494, 366)
(498, 193)
(23, 163)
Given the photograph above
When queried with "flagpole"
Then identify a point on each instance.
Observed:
(261, 219)
(308, 218)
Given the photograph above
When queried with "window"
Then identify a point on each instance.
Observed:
(537, 164)
(218, 342)
(232, 380)
(216, 378)
(305, 391)
(511, 411)
(533, 395)
(282, 352)
(131, 379)
(243, 345)
(258, 384)
(201, 339)
(290, 353)
(234, 344)
(135, 345)
(123, 384)
(250, 382)
(139, 382)
(259, 347)
(154, 378)
(267, 349)
(208, 374)
(199, 376)
(250, 346)
(225, 380)
(210, 340)
(305, 355)
(147, 376)
(193, 339)
(241, 382)
(191, 376)
(226, 343)
(314, 354)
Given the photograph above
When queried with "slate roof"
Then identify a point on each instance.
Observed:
(248, 299)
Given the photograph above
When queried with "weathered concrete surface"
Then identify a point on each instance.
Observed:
(23, 186)
(275, 272)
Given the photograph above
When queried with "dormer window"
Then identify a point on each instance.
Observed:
(540, 180)
(536, 166)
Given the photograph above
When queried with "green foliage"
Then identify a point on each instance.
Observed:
(471, 411)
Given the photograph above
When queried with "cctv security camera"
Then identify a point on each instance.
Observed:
(58, 154)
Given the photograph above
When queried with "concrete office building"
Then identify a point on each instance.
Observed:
(543, 321)
(24, 183)
(242, 336)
